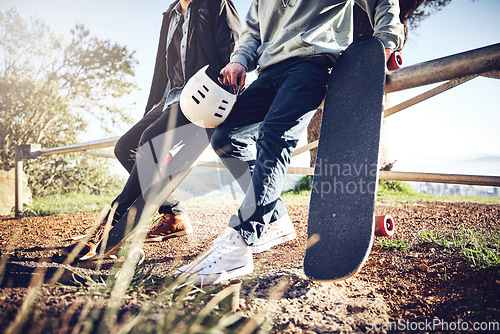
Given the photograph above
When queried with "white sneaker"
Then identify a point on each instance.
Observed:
(230, 257)
(277, 232)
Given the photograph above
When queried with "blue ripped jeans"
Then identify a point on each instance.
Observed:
(257, 139)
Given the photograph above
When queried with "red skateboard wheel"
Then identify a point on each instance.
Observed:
(395, 61)
(384, 226)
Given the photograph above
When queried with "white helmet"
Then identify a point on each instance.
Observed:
(204, 102)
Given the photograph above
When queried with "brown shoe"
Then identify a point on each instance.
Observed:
(89, 248)
(170, 226)
(93, 240)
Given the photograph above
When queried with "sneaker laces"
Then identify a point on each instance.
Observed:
(222, 246)
(98, 233)
(219, 248)
(102, 227)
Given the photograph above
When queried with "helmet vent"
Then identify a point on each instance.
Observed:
(204, 101)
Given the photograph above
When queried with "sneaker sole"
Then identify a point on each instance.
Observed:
(256, 249)
(221, 277)
(170, 236)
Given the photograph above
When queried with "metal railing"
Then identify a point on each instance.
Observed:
(455, 69)
(33, 151)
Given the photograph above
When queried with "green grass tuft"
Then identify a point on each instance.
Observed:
(67, 203)
(480, 249)
(393, 244)
(390, 192)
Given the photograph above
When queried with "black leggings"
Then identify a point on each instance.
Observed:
(157, 132)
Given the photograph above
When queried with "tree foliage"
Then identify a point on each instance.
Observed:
(50, 89)
(412, 13)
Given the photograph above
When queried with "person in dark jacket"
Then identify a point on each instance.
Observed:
(194, 33)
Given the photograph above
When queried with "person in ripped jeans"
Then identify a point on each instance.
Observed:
(292, 44)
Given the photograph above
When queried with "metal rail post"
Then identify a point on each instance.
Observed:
(28, 151)
(18, 188)
(33, 151)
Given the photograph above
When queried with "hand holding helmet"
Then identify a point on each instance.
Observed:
(204, 102)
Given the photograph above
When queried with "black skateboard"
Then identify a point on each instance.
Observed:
(164, 173)
(341, 222)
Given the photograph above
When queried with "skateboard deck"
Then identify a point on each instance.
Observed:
(171, 171)
(341, 212)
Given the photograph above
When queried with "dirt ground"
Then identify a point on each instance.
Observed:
(397, 289)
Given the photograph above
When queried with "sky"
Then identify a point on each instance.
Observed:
(459, 124)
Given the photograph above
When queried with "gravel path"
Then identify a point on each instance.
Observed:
(414, 284)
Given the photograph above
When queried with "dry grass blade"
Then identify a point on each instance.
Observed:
(74, 253)
(6, 254)
(274, 294)
(211, 305)
(312, 240)
(28, 303)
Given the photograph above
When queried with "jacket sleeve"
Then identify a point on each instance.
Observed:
(384, 18)
(247, 52)
(159, 81)
(227, 30)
